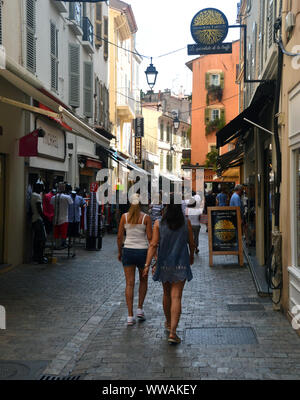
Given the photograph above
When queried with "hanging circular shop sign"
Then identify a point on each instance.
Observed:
(209, 27)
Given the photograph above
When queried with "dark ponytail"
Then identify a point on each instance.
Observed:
(173, 215)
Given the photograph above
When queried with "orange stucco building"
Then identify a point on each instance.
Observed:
(215, 102)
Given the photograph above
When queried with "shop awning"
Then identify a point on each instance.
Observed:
(73, 123)
(238, 126)
(233, 158)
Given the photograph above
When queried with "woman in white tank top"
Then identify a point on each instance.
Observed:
(133, 253)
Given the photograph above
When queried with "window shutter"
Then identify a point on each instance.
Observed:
(161, 161)
(254, 50)
(270, 23)
(222, 114)
(98, 25)
(207, 80)
(74, 75)
(1, 40)
(162, 131)
(30, 35)
(88, 89)
(207, 116)
(54, 56)
(101, 113)
(222, 80)
(261, 35)
(105, 37)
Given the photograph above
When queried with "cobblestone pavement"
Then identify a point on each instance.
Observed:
(73, 314)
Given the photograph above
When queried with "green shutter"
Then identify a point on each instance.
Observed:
(74, 75)
(207, 116)
(222, 116)
(88, 89)
(207, 80)
(54, 56)
(222, 80)
(30, 35)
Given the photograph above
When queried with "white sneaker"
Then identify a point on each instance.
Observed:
(130, 321)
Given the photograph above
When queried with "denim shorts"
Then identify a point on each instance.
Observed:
(134, 257)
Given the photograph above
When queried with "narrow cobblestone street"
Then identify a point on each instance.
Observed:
(73, 315)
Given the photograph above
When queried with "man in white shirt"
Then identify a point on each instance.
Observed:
(61, 204)
(39, 233)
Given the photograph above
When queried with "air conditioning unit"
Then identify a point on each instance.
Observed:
(290, 22)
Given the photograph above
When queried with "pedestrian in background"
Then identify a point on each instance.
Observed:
(38, 227)
(222, 198)
(156, 209)
(193, 213)
(235, 200)
(174, 244)
(138, 228)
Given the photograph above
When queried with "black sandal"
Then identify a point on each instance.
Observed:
(174, 340)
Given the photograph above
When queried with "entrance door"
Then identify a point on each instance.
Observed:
(2, 204)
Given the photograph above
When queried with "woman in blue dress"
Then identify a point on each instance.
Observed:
(173, 242)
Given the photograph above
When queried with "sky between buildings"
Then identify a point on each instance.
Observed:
(164, 26)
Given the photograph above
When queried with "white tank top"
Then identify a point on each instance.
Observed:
(136, 237)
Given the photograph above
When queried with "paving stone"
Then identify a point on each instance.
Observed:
(74, 315)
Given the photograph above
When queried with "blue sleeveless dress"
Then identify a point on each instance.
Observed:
(173, 261)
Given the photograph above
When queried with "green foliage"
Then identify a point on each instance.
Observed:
(216, 124)
(211, 159)
(214, 93)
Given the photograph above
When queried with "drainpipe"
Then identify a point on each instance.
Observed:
(275, 272)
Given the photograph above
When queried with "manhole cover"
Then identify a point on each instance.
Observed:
(221, 336)
(245, 307)
(21, 370)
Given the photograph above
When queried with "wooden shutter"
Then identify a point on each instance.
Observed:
(98, 25)
(270, 23)
(207, 80)
(88, 89)
(54, 56)
(222, 80)
(101, 103)
(207, 116)
(254, 50)
(222, 114)
(74, 75)
(30, 35)
(105, 37)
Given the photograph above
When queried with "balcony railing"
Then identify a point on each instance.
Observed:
(88, 31)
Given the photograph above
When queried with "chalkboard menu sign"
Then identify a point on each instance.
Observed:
(225, 232)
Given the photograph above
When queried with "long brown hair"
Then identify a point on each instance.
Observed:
(134, 214)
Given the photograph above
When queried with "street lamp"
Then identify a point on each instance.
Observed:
(151, 75)
(176, 123)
